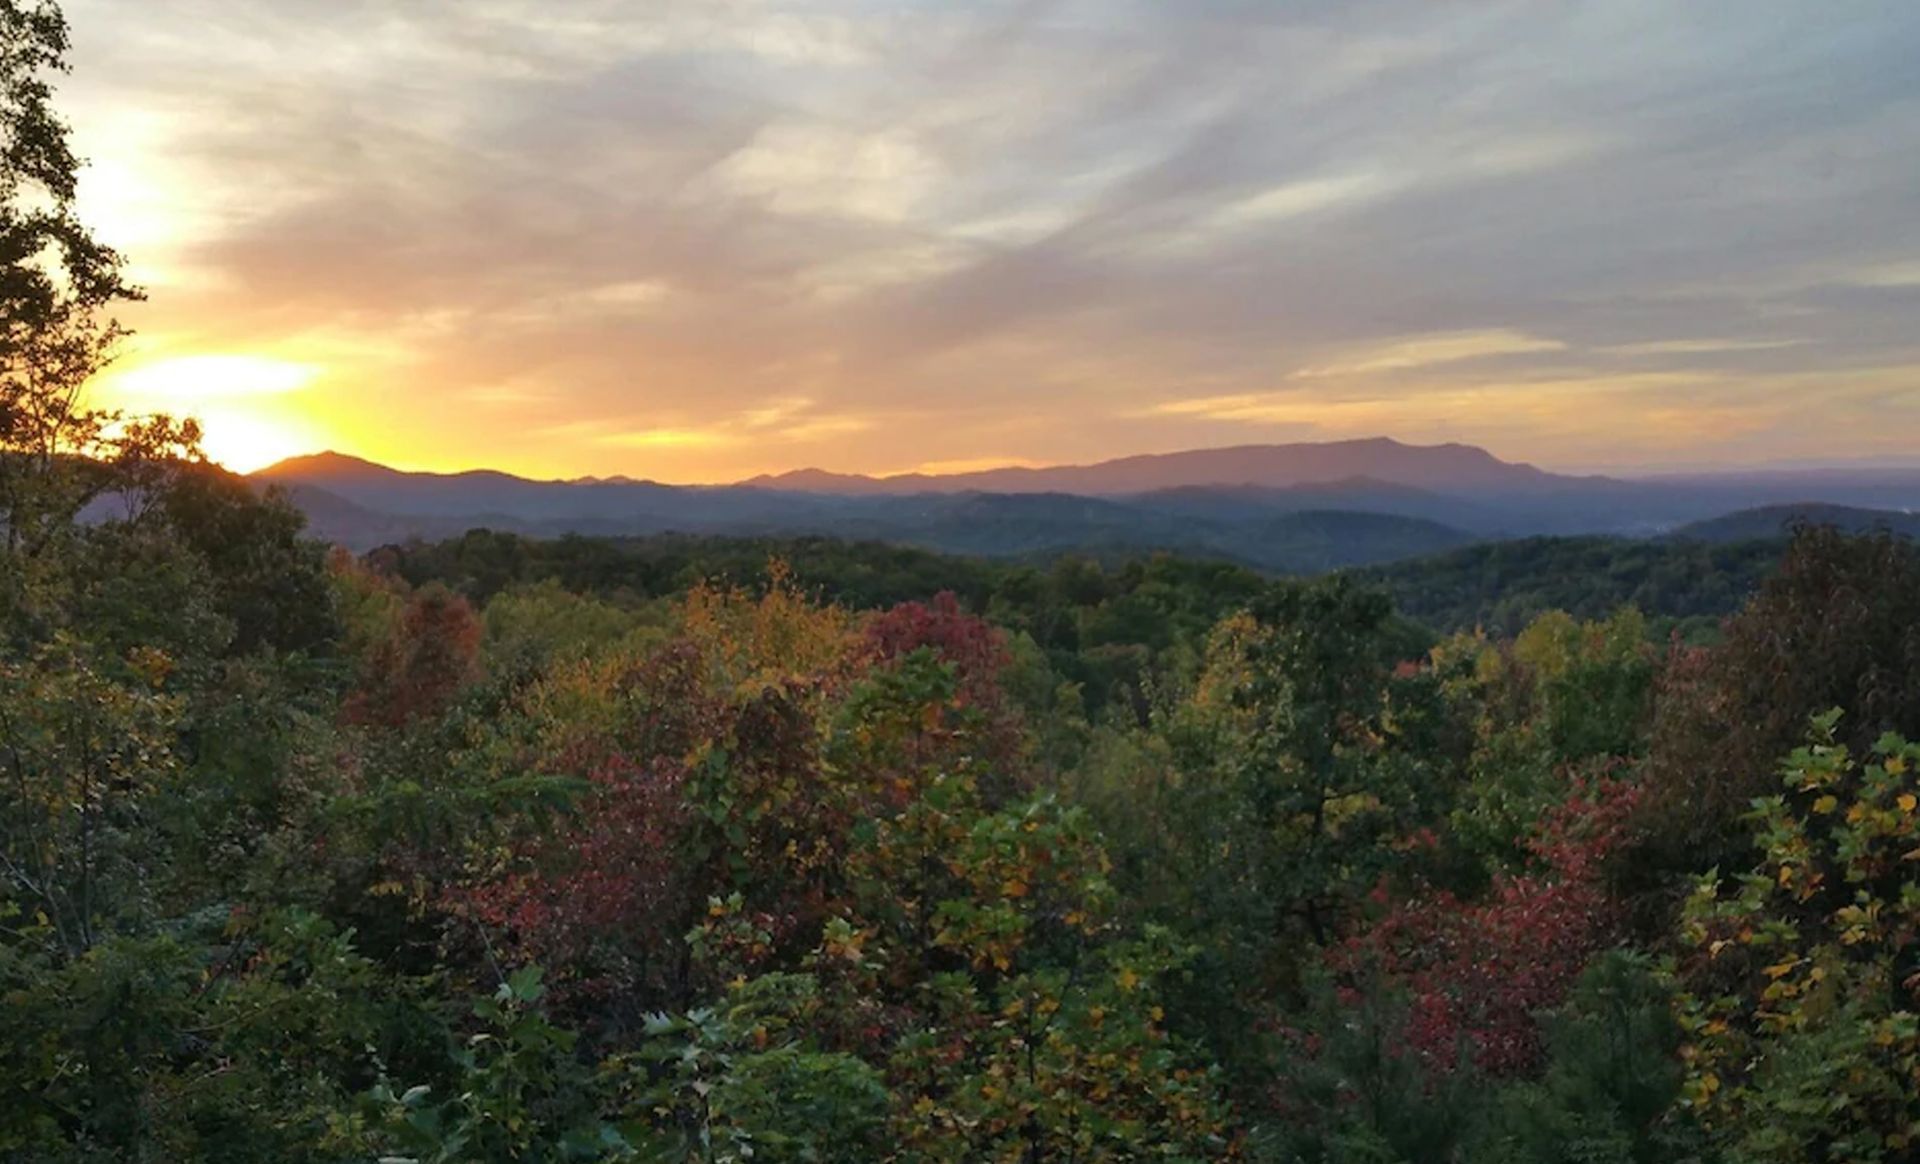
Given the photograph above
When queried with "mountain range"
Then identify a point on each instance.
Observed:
(1448, 466)
(1287, 508)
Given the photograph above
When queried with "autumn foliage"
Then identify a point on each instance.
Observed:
(1481, 973)
(742, 870)
(414, 670)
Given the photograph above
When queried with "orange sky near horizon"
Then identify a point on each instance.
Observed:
(875, 237)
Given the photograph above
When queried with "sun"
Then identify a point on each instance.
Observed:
(249, 407)
(245, 443)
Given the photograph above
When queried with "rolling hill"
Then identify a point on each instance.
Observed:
(1772, 521)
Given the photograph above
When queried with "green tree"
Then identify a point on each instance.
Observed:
(1608, 1095)
(1837, 626)
(519, 1092)
(81, 750)
(1803, 974)
(56, 279)
(739, 1081)
(1342, 753)
(1561, 698)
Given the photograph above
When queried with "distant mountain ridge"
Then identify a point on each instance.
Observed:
(1769, 521)
(1275, 507)
(1273, 466)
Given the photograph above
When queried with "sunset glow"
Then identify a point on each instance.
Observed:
(191, 380)
(250, 408)
(245, 443)
(695, 248)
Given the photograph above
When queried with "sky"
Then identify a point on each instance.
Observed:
(696, 240)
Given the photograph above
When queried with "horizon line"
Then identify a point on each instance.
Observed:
(1642, 470)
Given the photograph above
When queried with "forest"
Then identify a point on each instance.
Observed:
(319, 857)
(682, 850)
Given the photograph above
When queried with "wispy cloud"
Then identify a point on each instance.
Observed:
(792, 421)
(1699, 347)
(1436, 348)
(803, 169)
(695, 239)
(1904, 274)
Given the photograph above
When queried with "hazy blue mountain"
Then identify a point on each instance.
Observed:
(1352, 494)
(1769, 521)
(1042, 524)
(361, 505)
(1278, 507)
(633, 506)
(1311, 541)
(1445, 467)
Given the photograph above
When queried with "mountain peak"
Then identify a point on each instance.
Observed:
(805, 480)
(322, 464)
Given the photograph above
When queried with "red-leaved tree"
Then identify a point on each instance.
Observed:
(1480, 972)
(430, 652)
(977, 652)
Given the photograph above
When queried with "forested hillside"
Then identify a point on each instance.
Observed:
(1495, 586)
(1774, 520)
(686, 850)
(1502, 586)
(308, 861)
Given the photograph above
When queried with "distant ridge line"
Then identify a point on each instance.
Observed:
(1380, 459)
(1383, 459)
(1274, 506)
